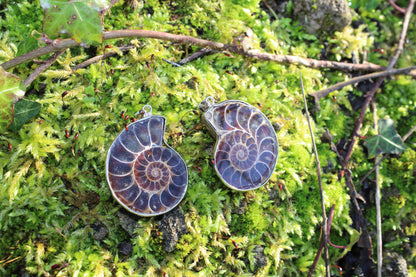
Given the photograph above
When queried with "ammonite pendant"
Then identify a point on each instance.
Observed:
(246, 150)
(145, 175)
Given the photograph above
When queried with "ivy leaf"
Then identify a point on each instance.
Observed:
(24, 110)
(11, 90)
(387, 140)
(80, 19)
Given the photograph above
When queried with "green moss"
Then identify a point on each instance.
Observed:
(54, 188)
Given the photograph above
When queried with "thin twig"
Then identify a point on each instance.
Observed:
(405, 137)
(377, 200)
(324, 92)
(196, 55)
(358, 125)
(318, 170)
(270, 9)
(378, 220)
(172, 63)
(102, 57)
(321, 246)
(42, 67)
(315, 261)
(330, 217)
(402, 39)
(396, 7)
(360, 224)
(59, 44)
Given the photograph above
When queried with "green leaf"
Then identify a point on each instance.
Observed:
(24, 110)
(11, 90)
(80, 19)
(387, 140)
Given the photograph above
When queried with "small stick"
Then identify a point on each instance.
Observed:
(378, 220)
(321, 246)
(318, 170)
(172, 63)
(324, 92)
(196, 55)
(396, 7)
(405, 137)
(42, 67)
(270, 9)
(102, 57)
(377, 200)
(330, 217)
(59, 44)
(400, 45)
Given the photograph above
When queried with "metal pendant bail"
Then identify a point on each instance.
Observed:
(206, 104)
(146, 111)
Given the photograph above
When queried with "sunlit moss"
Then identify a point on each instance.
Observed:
(54, 188)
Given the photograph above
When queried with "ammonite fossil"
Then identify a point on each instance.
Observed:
(246, 150)
(145, 175)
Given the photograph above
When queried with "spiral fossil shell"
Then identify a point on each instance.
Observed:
(247, 148)
(145, 176)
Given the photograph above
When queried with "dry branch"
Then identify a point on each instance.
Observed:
(321, 246)
(318, 170)
(324, 92)
(396, 7)
(42, 67)
(59, 44)
(102, 57)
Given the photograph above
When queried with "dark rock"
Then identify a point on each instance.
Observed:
(260, 258)
(128, 222)
(322, 15)
(172, 226)
(100, 231)
(394, 265)
(125, 248)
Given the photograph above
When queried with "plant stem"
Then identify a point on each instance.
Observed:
(102, 57)
(200, 53)
(377, 201)
(318, 170)
(400, 45)
(42, 67)
(396, 7)
(270, 9)
(321, 246)
(324, 92)
(59, 44)
(378, 217)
